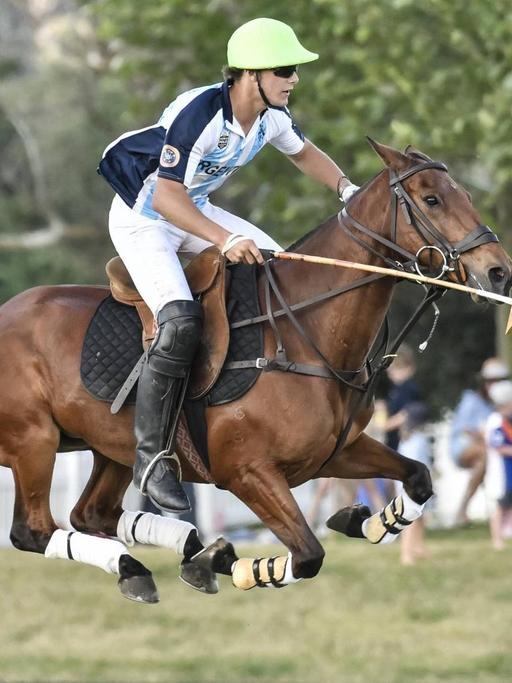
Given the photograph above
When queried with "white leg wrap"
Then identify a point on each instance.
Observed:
(288, 574)
(73, 545)
(150, 529)
(412, 510)
(385, 526)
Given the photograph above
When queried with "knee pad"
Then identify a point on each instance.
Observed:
(180, 324)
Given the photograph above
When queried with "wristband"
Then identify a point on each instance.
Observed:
(231, 241)
(348, 192)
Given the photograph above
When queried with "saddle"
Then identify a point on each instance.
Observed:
(206, 277)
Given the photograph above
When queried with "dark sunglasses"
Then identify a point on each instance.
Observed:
(285, 71)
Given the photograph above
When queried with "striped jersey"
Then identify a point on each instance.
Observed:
(197, 142)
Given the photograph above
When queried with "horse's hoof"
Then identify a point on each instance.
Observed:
(219, 557)
(199, 577)
(136, 582)
(349, 520)
(139, 589)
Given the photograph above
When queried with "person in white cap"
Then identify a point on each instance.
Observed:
(467, 443)
(499, 441)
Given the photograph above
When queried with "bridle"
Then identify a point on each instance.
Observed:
(435, 241)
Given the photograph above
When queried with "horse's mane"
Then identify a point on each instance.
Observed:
(413, 153)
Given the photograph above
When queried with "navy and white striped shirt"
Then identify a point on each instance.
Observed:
(197, 142)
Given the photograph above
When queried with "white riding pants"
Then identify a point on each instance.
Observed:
(149, 249)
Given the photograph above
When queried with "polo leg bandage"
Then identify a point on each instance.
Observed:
(384, 526)
(267, 572)
(73, 545)
(150, 529)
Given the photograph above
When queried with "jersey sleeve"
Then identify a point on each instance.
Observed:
(180, 155)
(188, 139)
(286, 136)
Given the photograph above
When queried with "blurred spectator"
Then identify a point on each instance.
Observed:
(499, 441)
(417, 445)
(341, 493)
(404, 390)
(467, 443)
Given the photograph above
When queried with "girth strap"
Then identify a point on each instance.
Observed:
(269, 364)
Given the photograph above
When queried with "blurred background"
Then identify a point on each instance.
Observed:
(76, 74)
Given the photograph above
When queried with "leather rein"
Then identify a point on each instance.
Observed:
(386, 350)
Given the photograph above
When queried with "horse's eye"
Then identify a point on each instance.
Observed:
(431, 200)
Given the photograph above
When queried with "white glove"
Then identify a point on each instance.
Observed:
(348, 192)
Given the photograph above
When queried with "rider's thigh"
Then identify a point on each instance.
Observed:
(194, 245)
(148, 249)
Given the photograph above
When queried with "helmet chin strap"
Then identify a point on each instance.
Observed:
(261, 91)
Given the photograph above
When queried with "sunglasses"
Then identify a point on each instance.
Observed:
(285, 71)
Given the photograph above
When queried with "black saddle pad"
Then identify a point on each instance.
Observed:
(111, 348)
(113, 344)
(245, 343)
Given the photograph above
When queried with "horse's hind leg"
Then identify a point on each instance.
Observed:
(32, 524)
(99, 514)
(368, 458)
(99, 510)
(100, 505)
(32, 461)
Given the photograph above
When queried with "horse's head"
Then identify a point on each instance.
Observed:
(436, 226)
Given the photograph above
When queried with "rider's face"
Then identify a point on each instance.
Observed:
(276, 88)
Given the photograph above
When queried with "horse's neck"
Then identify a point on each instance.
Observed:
(345, 326)
(372, 208)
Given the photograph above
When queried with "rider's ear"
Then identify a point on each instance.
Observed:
(391, 157)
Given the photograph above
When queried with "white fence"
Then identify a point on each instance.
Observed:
(217, 510)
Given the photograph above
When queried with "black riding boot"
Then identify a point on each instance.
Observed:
(160, 385)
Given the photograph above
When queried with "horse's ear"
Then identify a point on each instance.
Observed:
(413, 152)
(391, 157)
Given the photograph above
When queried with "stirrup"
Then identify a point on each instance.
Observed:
(149, 469)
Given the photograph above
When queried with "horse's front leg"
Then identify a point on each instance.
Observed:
(264, 489)
(368, 458)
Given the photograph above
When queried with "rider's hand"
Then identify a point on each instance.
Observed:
(242, 251)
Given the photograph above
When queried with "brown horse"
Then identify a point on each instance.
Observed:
(289, 427)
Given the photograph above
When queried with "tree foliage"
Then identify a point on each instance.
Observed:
(435, 74)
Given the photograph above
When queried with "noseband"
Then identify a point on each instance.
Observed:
(435, 241)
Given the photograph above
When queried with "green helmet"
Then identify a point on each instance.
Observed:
(266, 44)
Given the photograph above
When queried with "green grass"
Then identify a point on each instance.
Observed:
(364, 619)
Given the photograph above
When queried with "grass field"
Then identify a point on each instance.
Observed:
(364, 619)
